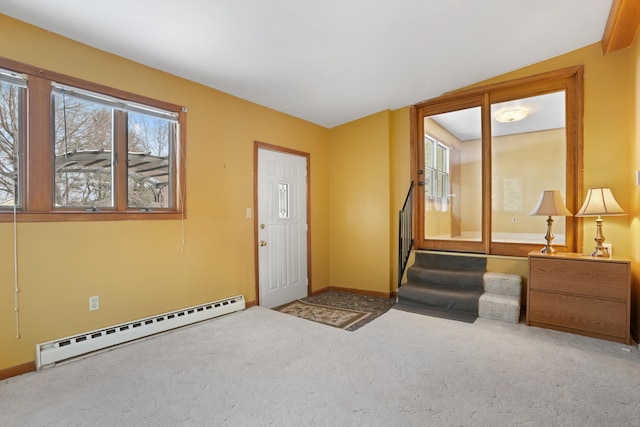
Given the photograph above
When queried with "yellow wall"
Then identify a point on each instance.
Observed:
(539, 163)
(634, 208)
(532, 164)
(400, 175)
(359, 203)
(138, 268)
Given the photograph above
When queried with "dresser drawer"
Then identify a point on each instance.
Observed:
(574, 276)
(579, 313)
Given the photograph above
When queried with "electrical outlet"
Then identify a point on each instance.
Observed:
(94, 303)
(514, 219)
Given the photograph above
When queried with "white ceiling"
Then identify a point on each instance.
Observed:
(328, 61)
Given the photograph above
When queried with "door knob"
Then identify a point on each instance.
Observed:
(263, 243)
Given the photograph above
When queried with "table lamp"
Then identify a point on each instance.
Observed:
(600, 202)
(550, 204)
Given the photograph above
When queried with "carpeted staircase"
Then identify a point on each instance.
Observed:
(444, 286)
(459, 288)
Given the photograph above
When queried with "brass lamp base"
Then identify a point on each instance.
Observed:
(600, 250)
(548, 249)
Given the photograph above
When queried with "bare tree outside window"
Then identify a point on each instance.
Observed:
(10, 112)
(149, 145)
(83, 147)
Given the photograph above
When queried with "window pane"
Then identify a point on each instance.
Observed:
(442, 182)
(429, 183)
(429, 145)
(11, 96)
(150, 142)
(83, 148)
(283, 201)
(453, 211)
(528, 157)
(441, 158)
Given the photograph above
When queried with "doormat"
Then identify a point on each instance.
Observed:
(337, 317)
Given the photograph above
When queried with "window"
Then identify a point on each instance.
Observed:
(283, 200)
(94, 153)
(12, 95)
(151, 141)
(436, 169)
(436, 185)
(83, 152)
(484, 170)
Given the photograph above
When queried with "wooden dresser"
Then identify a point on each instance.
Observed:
(578, 293)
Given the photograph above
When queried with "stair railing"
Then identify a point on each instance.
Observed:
(405, 242)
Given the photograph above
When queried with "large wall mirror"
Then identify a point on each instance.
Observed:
(483, 157)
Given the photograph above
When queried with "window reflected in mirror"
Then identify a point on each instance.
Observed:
(452, 175)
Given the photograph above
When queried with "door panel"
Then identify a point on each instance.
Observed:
(282, 227)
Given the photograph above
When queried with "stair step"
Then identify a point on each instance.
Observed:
(435, 312)
(471, 280)
(450, 262)
(448, 285)
(499, 307)
(503, 284)
(440, 297)
(444, 286)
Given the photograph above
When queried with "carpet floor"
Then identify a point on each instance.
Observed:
(260, 367)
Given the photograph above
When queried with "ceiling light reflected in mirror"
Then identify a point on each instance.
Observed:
(511, 115)
(543, 112)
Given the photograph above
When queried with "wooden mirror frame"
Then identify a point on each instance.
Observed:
(568, 79)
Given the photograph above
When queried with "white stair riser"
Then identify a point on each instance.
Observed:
(503, 284)
(505, 308)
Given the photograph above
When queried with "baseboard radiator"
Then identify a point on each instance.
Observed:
(51, 352)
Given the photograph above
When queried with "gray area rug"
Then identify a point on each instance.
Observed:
(260, 367)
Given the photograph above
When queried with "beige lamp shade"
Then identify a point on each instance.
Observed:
(600, 202)
(551, 204)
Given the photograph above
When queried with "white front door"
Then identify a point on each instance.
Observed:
(282, 227)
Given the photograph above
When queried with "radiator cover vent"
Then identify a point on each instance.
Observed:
(51, 352)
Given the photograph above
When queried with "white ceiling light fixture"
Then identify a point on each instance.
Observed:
(511, 115)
